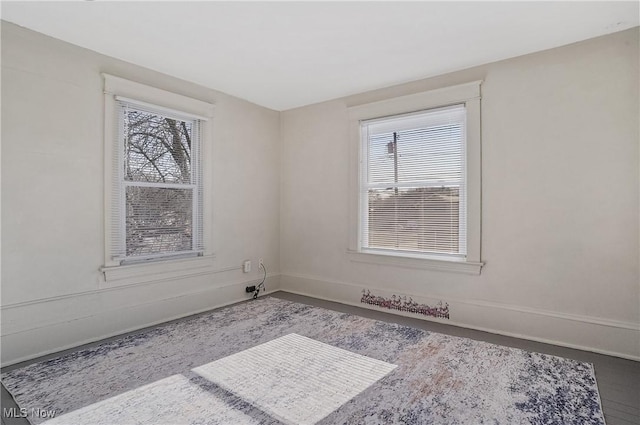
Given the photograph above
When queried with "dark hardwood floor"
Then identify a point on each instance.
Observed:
(618, 379)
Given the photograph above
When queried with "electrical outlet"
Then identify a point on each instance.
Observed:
(260, 263)
(246, 266)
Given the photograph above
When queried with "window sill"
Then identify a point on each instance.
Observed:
(157, 270)
(454, 265)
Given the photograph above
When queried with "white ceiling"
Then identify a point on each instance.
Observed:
(287, 54)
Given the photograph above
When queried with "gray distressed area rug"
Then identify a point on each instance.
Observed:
(272, 361)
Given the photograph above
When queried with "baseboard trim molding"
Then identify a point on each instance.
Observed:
(234, 287)
(110, 289)
(581, 321)
(481, 303)
(138, 305)
(135, 306)
(280, 282)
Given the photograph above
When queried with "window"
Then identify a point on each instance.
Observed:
(158, 221)
(413, 183)
(417, 179)
(159, 208)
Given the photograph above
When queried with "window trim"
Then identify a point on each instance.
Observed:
(468, 94)
(116, 88)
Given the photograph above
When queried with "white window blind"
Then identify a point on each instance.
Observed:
(413, 183)
(158, 184)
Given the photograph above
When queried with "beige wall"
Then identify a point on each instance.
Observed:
(560, 188)
(560, 201)
(53, 294)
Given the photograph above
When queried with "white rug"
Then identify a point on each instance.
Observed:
(176, 399)
(295, 379)
(242, 366)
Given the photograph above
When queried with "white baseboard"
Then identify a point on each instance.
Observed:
(21, 343)
(29, 330)
(598, 335)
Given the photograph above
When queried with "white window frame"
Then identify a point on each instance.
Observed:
(120, 89)
(467, 94)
